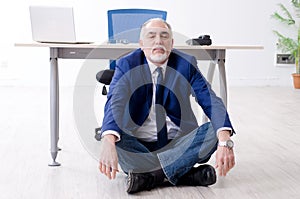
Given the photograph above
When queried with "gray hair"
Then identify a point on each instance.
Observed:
(154, 19)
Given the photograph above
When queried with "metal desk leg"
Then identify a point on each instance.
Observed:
(223, 83)
(211, 71)
(210, 75)
(54, 105)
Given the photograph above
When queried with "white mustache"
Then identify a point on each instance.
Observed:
(159, 47)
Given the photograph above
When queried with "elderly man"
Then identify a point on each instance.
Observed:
(149, 127)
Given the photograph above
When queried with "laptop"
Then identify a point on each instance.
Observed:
(53, 24)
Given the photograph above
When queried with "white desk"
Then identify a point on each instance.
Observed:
(216, 54)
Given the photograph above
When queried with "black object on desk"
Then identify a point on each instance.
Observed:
(201, 40)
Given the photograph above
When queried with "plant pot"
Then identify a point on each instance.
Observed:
(296, 78)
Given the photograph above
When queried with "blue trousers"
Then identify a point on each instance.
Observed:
(176, 158)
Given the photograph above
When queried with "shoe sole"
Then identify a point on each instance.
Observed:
(129, 182)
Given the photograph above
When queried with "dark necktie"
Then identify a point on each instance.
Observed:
(162, 136)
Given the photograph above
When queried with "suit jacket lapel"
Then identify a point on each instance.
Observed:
(147, 81)
(169, 78)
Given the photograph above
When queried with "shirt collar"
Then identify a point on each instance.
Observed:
(153, 66)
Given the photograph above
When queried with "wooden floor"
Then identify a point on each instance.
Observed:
(266, 119)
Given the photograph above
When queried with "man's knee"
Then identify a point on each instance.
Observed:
(208, 138)
(207, 131)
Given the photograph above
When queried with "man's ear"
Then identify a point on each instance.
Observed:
(141, 44)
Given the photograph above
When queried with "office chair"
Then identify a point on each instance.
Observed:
(124, 27)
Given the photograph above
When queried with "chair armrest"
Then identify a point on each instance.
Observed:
(105, 76)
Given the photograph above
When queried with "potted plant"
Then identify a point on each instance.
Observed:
(286, 44)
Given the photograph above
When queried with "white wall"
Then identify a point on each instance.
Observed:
(231, 22)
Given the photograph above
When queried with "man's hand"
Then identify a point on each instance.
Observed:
(108, 163)
(224, 156)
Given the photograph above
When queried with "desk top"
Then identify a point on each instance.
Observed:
(135, 46)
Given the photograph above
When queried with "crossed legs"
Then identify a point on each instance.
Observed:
(175, 159)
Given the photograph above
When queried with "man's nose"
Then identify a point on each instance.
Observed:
(158, 40)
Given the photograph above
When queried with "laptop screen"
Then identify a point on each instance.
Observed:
(52, 24)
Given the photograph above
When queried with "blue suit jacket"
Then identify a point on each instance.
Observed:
(130, 94)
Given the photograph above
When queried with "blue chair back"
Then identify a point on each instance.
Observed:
(124, 24)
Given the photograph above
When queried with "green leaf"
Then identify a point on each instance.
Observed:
(296, 4)
(282, 19)
(286, 12)
(286, 44)
(286, 20)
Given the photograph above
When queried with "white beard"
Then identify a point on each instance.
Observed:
(158, 58)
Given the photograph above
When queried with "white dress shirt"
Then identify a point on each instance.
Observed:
(148, 131)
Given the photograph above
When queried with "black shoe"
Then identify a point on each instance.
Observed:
(204, 175)
(140, 181)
